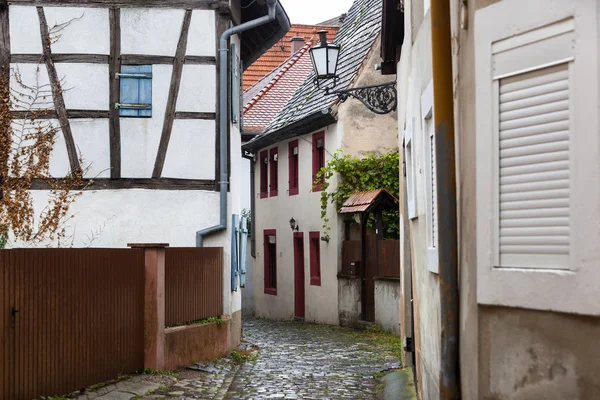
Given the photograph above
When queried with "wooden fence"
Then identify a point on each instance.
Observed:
(382, 258)
(193, 284)
(70, 318)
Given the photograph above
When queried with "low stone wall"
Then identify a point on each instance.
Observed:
(349, 298)
(387, 304)
(187, 344)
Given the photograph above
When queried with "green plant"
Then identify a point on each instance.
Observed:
(3, 236)
(243, 356)
(373, 171)
(246, 213)
(217, 320)
(151, 371)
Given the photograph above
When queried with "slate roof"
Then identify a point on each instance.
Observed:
(281, 51)
(274, 94)
(310, 108)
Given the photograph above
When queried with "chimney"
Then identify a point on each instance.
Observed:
(297, 42)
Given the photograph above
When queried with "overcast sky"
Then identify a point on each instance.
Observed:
(314, 11)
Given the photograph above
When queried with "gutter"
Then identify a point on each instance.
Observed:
(276, 12)
(443, 110)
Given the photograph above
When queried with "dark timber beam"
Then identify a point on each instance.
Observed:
(195, 115)
(131, 183)
(61, 58)
(52, 114)
(173, 94)
(59, 102)
(114, 66)
(186, 4)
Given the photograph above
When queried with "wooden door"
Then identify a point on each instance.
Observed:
(299, 303)
(370, 266)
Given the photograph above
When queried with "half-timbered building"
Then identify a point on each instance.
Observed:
(145, 94)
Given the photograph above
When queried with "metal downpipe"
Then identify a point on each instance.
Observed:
(446, 198)
(274, 12)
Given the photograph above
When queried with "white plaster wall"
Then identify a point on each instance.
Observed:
(191, 152)
(349, 299)
(87, 30)
(150, 31)
(92, 145)
(114, 218)
(202, 40)
(85, 86)
(198, 88)
(140, 136)
(25, 35)
(33, 76)
(274, 213)
(387, 305)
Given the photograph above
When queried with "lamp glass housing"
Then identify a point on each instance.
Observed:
(325, 59)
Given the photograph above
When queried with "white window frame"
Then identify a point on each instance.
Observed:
(411, 176)
(428, 130)
(576, 289)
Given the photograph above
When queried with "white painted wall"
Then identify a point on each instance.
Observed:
(387, 305)
(150, 30)
(275, 213)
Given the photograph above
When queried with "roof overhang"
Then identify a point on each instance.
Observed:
(306, 125)
(258, 40)
(392, 35)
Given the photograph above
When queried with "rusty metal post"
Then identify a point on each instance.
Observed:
(154, 304)
(446, 197)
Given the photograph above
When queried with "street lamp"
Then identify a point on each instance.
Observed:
(381, 99)
(325, 58)
(293, 224)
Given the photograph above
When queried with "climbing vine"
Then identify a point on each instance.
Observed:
(373, 171)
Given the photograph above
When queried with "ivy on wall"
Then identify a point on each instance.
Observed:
(374, 171)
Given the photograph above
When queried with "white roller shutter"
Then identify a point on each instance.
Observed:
(534, 177)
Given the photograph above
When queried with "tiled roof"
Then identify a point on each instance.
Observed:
(357, 35)
(274, 94)
(363, 201)
(281, 51)
(335, 21)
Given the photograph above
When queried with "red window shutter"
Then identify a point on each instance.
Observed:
(270, 263)
(315, 258)
(273, 161)
(293, 167)
(264, 174)
(318, 159)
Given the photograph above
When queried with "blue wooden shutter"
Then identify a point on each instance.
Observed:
(234, 251)
(136, 92)
(235, 86)
(243, 242)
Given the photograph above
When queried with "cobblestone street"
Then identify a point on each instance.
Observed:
(293, 360)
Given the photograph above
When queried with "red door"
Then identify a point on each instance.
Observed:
(299, 275)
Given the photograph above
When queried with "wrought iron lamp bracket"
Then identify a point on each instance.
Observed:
(381, 99)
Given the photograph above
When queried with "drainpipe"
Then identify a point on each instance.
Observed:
(275, 12)
(446, 197)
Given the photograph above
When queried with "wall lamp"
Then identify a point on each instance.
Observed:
(293, 224)
(381, 99)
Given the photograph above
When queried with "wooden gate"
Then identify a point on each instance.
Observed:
(69, 318)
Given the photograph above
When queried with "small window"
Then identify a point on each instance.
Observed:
(409, 162)
(273, 171)
(264, 174)
(315, 258)
(293, 167)
(270, 256)
(318, 159)
(136, 91)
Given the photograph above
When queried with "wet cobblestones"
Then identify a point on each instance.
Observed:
(294, 361)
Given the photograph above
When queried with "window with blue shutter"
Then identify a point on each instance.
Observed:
(136, 91)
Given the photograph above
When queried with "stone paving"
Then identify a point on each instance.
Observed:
(285, 360)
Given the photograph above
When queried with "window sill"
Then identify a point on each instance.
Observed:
(271, 291)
